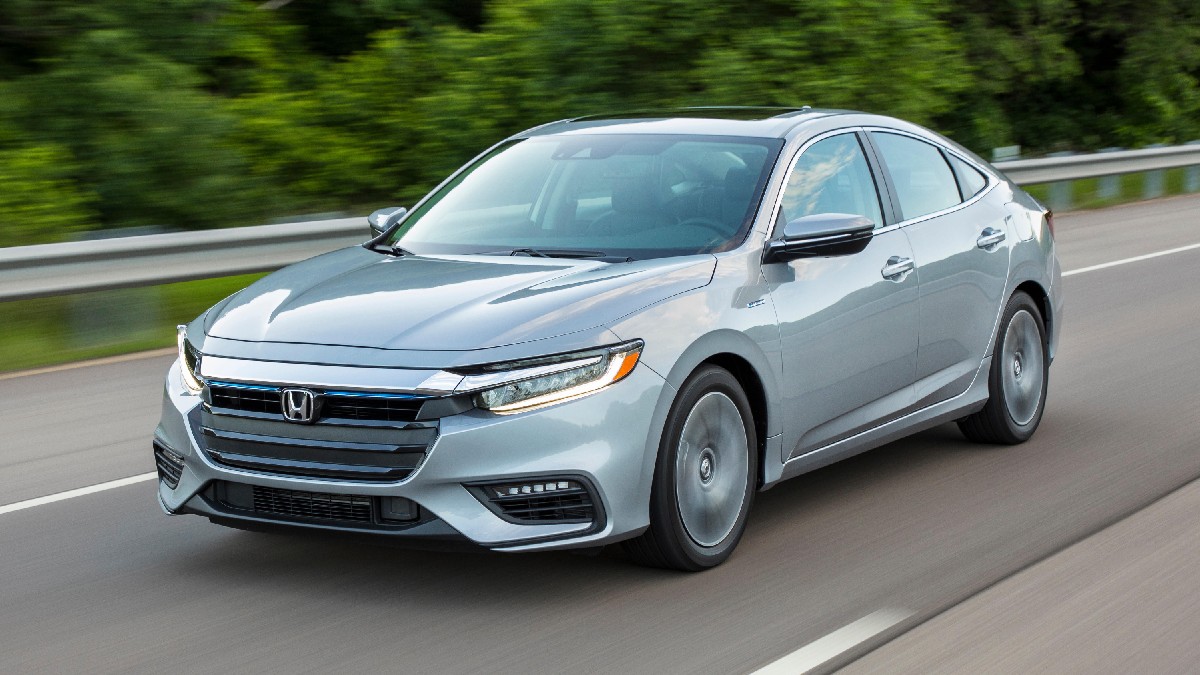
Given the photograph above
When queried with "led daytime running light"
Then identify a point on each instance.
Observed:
(189, 362)
(607, 368)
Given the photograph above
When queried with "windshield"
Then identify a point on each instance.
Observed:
(598, 196)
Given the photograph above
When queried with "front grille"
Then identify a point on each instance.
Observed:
(539, 501)
(314, 452)
(386, 409)
(169, 465)
(259, 400)
(336, 405)
(313, 505)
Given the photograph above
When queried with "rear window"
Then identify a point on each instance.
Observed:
(923, 180)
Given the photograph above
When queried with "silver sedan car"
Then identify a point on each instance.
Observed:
(618, 329)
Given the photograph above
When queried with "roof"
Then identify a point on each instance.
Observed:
(757, 122)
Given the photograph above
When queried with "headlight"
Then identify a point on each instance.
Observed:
(518, 385)
(189, 362)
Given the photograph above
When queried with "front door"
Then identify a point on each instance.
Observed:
(848, 324)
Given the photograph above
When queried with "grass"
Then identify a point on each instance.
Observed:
(48, 331)
(1086, 193)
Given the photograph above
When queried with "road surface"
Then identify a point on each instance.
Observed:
(928, 530)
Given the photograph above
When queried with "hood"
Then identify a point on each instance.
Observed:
(359, 298)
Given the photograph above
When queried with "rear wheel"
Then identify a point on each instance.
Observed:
(704, 477)
(1017, 380)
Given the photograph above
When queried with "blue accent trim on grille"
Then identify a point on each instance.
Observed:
(238, 385)
(353, 394)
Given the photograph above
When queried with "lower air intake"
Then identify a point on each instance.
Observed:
(313, 505)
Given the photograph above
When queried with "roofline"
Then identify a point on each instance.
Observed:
(800, 114)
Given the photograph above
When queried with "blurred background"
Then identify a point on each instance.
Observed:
(129, 116)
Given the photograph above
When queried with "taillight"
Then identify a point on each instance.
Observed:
(1050, 221)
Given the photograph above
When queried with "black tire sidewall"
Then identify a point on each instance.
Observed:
(1018, 432)
(664, 507)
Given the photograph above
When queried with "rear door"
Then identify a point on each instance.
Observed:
(961, 243)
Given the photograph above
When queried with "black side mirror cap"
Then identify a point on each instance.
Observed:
(820, 235)
(382, 220)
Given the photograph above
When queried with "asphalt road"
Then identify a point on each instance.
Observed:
(930, 525)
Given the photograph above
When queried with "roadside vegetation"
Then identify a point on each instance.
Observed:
(213, 113)
(47, 331)
(196, 114)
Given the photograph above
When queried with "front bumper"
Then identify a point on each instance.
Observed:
(604, 441)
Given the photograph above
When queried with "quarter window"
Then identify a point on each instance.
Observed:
(832, 176)
(969, 178)
(923, 181)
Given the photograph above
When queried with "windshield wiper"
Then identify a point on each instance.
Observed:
(557, 253)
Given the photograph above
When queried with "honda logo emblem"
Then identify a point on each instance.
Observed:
(300, 406)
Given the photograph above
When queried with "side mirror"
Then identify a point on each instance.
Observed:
(382, 220)
(820, 235)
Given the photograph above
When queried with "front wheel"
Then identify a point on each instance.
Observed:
(704, 477)
(1017, 380)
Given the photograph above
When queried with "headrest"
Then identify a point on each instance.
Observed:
(739, 183)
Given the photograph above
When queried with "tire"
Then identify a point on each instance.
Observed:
(704, 477)
(1017, 379)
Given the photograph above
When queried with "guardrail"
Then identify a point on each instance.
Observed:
(1076, 167)
(76, 267)
(80, 266)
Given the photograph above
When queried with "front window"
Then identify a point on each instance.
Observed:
(604, 196)
(832, 176)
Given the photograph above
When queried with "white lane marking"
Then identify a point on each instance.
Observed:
(815, 653)
(1125, 261)
(77, 492)
(120, 358)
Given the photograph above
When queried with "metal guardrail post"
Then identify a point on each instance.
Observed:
(1006, 153)
(1191, 175)
(1109, 187)
(1062, 190)
(1154, 182)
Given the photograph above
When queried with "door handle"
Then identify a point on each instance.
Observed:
(989, 238)
(896, 268)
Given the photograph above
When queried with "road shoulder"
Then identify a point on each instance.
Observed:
(1123, 600)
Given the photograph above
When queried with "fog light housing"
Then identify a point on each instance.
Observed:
(169, 464)
(540, 500)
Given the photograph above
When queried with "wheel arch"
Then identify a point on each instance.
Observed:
(752, 385)
(1042, 299)
(749, 365)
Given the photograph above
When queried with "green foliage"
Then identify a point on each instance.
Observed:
(38, 201)
(211, 113)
